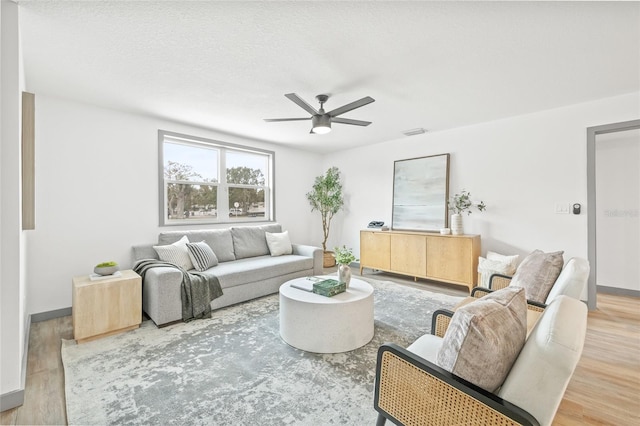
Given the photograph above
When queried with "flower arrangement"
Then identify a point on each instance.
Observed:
(344, 256)
(461, 203)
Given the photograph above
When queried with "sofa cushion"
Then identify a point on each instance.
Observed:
(279, 243)
(272, 227)
(176, 253)
(537, 273)
(249, 241)
(484, 338)
(256, 269)
(219, 240)
(202, 256)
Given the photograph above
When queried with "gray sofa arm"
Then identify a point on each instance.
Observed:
(313, 252)
(160, 291)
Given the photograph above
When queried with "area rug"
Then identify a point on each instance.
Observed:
(235, 369)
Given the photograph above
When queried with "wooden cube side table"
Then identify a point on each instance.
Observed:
(106, 306)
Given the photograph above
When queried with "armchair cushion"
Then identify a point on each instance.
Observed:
(427, 347)
(537, 273)
(485, 337)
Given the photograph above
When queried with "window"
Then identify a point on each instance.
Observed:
(207, 181)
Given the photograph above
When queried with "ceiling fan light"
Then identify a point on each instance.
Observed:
(321, 124)
(321, 130)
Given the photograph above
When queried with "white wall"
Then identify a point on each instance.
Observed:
(97, 192)
(618, 209)
(521, 167)
(12, 285)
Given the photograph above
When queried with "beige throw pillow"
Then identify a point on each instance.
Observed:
(488, 267)
(510, 261)
(537, 273)
(176, 253)
(485, 337)
(279, 243)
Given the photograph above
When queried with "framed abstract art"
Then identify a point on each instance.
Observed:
(420, 193)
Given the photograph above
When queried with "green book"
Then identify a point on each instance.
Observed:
(329, 287)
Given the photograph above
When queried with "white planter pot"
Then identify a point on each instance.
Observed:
(456, 224)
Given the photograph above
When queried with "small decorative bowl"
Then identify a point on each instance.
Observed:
(106, 270)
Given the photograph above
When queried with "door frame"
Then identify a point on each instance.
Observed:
(592, 132)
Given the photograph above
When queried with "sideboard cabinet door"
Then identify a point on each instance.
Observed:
(453, 259)
(375, 250)
(409, 254)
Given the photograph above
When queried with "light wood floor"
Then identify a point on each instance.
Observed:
(604, 390)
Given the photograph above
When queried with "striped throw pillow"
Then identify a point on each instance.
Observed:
(176, 253)
(202, 256)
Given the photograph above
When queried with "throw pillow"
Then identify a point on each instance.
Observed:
(512, 261)
(485, 337)
(537, 273)
(279, 243)
(488, 267)
(176, 253)
(202, 256)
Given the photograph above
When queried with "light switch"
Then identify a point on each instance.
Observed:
(562, 208)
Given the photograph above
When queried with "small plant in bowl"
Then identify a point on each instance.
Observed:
(106, 268)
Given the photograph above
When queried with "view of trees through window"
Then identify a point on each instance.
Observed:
(194, 190)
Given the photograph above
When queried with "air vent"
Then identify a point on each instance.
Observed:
(413, 132)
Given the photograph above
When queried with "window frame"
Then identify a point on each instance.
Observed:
(222, 216)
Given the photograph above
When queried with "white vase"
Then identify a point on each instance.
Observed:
(456, 224)
(344, 274)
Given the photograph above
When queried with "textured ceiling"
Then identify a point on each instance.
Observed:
(227, 65)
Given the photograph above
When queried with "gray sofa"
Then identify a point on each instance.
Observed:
(246, 270)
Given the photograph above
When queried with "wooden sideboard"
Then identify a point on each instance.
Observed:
(447, 258)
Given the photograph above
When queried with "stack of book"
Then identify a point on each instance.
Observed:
(323, 286)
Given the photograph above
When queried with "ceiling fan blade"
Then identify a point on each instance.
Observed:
(302, 104)
(285, 119)
(353, 105)
(350, 121)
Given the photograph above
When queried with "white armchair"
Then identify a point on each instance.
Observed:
(411, 389)
(571, 281)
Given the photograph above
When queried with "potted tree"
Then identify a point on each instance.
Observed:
(326, 197)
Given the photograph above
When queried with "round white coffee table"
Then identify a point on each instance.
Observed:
(320, 324)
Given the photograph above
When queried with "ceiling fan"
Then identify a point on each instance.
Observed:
(321, 120)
